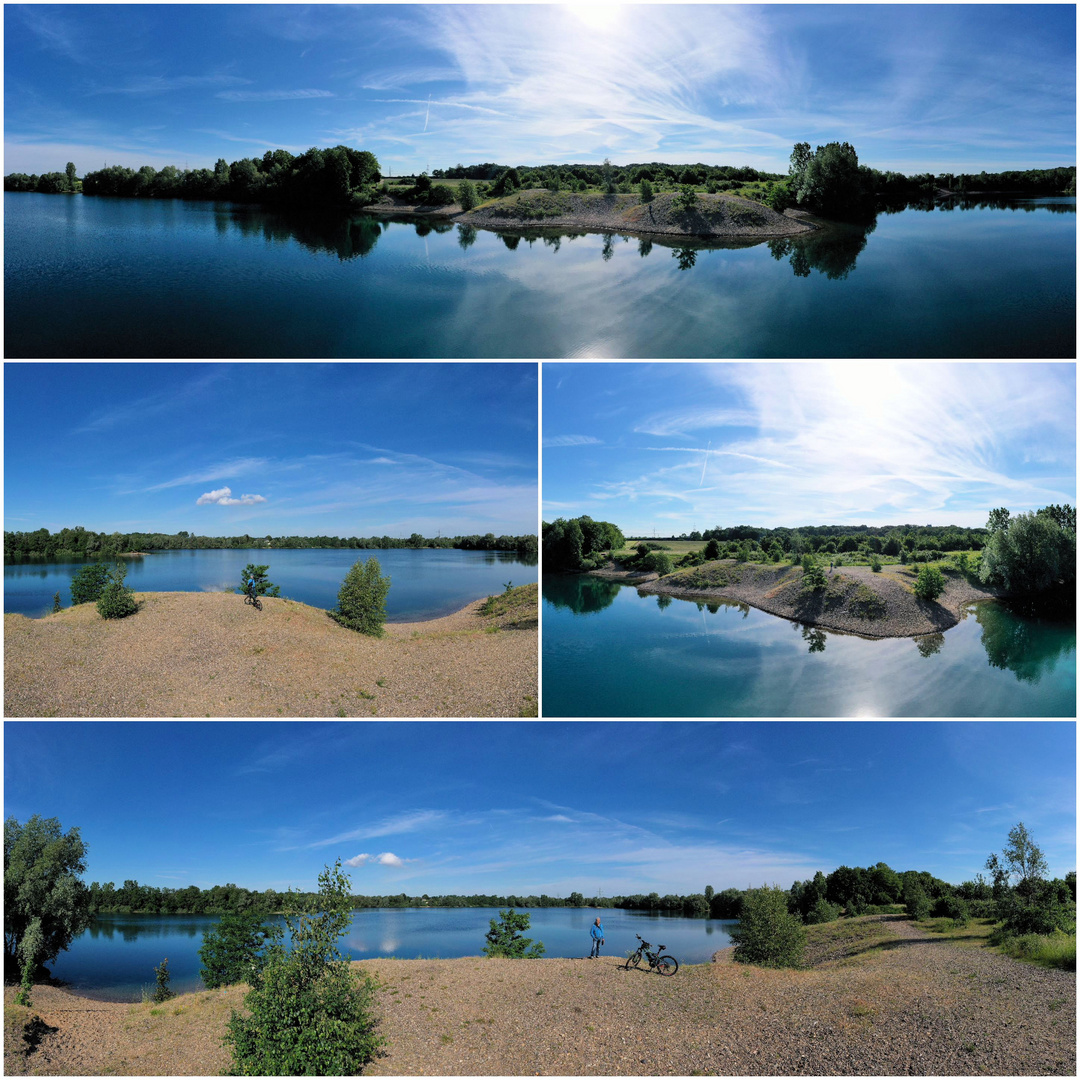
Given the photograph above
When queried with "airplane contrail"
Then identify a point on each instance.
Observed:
(704, 464)
(428, 113)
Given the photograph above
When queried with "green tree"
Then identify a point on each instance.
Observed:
(1022, 858)
(712, 549)
(576, 900)
(467, 195)
(930, 583)
(70, 175)
(263, 586)
(505, 938)
(916, 902)
(998, 520)
(646, 191)
(1032, 554)
(768, 934)
(234, 949)
(162, 992)
(814, 579)
(89, 582)
(46, 903)
(660, 561)
(56, 605)
(116, 600)
(362, 598)
(686, 200)
(311, 1014)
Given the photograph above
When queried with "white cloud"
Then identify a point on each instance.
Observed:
(385, 858)
(388, 858)
(272, 95)
(223, 497)
(570, 440)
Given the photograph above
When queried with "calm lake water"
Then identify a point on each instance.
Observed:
(424, 583)
(104, 277)
(609, 652)
(115, 958)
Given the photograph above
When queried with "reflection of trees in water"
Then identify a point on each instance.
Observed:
(687, 258)
(466, 236)
(644, 246)
(929, 203)
(1027, 647)
(609, 246)
(713, 606)
(929, 644)
(815, 638)
(345, 237)
(831, 251)
(663, 601)
(582, 594)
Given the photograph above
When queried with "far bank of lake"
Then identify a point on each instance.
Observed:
(610, 651)
(111, 277)
(115, 958)
(426, 583)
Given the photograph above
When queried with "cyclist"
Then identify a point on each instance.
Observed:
(596, 932)
(251, 588)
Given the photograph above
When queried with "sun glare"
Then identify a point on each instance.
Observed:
(598, 16)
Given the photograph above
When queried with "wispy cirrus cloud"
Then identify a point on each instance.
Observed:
(408, 822)
(273, 95)
(570, 440)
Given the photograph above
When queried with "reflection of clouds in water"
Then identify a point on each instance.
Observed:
(389, 946)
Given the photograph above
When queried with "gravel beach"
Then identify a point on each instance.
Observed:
(917, 1004)
(896, 611)
(210, 654)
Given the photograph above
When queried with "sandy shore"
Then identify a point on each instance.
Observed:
(882, 997)
(210, 654)
(855, 601)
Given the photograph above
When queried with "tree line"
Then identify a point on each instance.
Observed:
(339, 177)
(79, 543)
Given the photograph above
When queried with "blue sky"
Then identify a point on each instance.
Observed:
(271, 449)
(541, 807)
(669, 448)
(913, 87)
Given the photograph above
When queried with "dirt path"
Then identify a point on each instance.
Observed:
(856, 600)
(893, 1001)
(210, 654)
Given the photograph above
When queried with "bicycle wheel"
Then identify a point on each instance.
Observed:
(633, 960)
(667, 965)
(258, 603)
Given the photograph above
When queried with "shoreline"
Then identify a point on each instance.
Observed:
(855, 601)
(714, 218)
(210, 654)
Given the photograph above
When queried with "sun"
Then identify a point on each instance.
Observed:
(599, 16)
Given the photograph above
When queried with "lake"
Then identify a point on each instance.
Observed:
(104, 277)
(608, 651)
(115, 958)
(425, 583)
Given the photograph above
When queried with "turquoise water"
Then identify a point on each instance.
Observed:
(115, 958)
(424, 583)
(99, 277)
(607, 651)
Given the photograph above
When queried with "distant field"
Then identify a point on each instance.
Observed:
(676, 547)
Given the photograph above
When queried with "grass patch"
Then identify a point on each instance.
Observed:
(1057, 950)
(845, 938)
(516, 608)
(866, 604)
(711, 575)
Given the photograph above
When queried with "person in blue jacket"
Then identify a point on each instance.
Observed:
(596, 932)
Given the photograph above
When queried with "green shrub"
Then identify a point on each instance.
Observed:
(952, 907)
(768, 934)
(686, 200)
(56, 606)
(440, 195)
(930, 583)
(233, 950)
(89, 582)
(117, 600)
(163, 991)
(362, 598)
(504, 938)
(814, 579)
(875, 564)
(263, 587)
(646, 191)
(823, 912)
(311, 1015)
(660, 562)
(712, 549)
(467, 195)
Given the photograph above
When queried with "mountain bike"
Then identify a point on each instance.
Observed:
(252, 597)
(666, 965)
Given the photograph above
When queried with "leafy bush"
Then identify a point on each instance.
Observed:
(952, 907)
(311, 1014)
(814, 579)
(712, 549)
(504, 938)
(686, 200)
(660, 562)
(440, 195)
(362, 598)
(768, 934)
(930, 583)
(875, 564)
(117, 600)
(916, 902)
(823, 912)
(89, 582)
(233, 950)
(467, 195)
(646, 191)
(163, 991)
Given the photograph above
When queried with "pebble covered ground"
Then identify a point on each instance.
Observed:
(210, 654)
(918, 1004)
